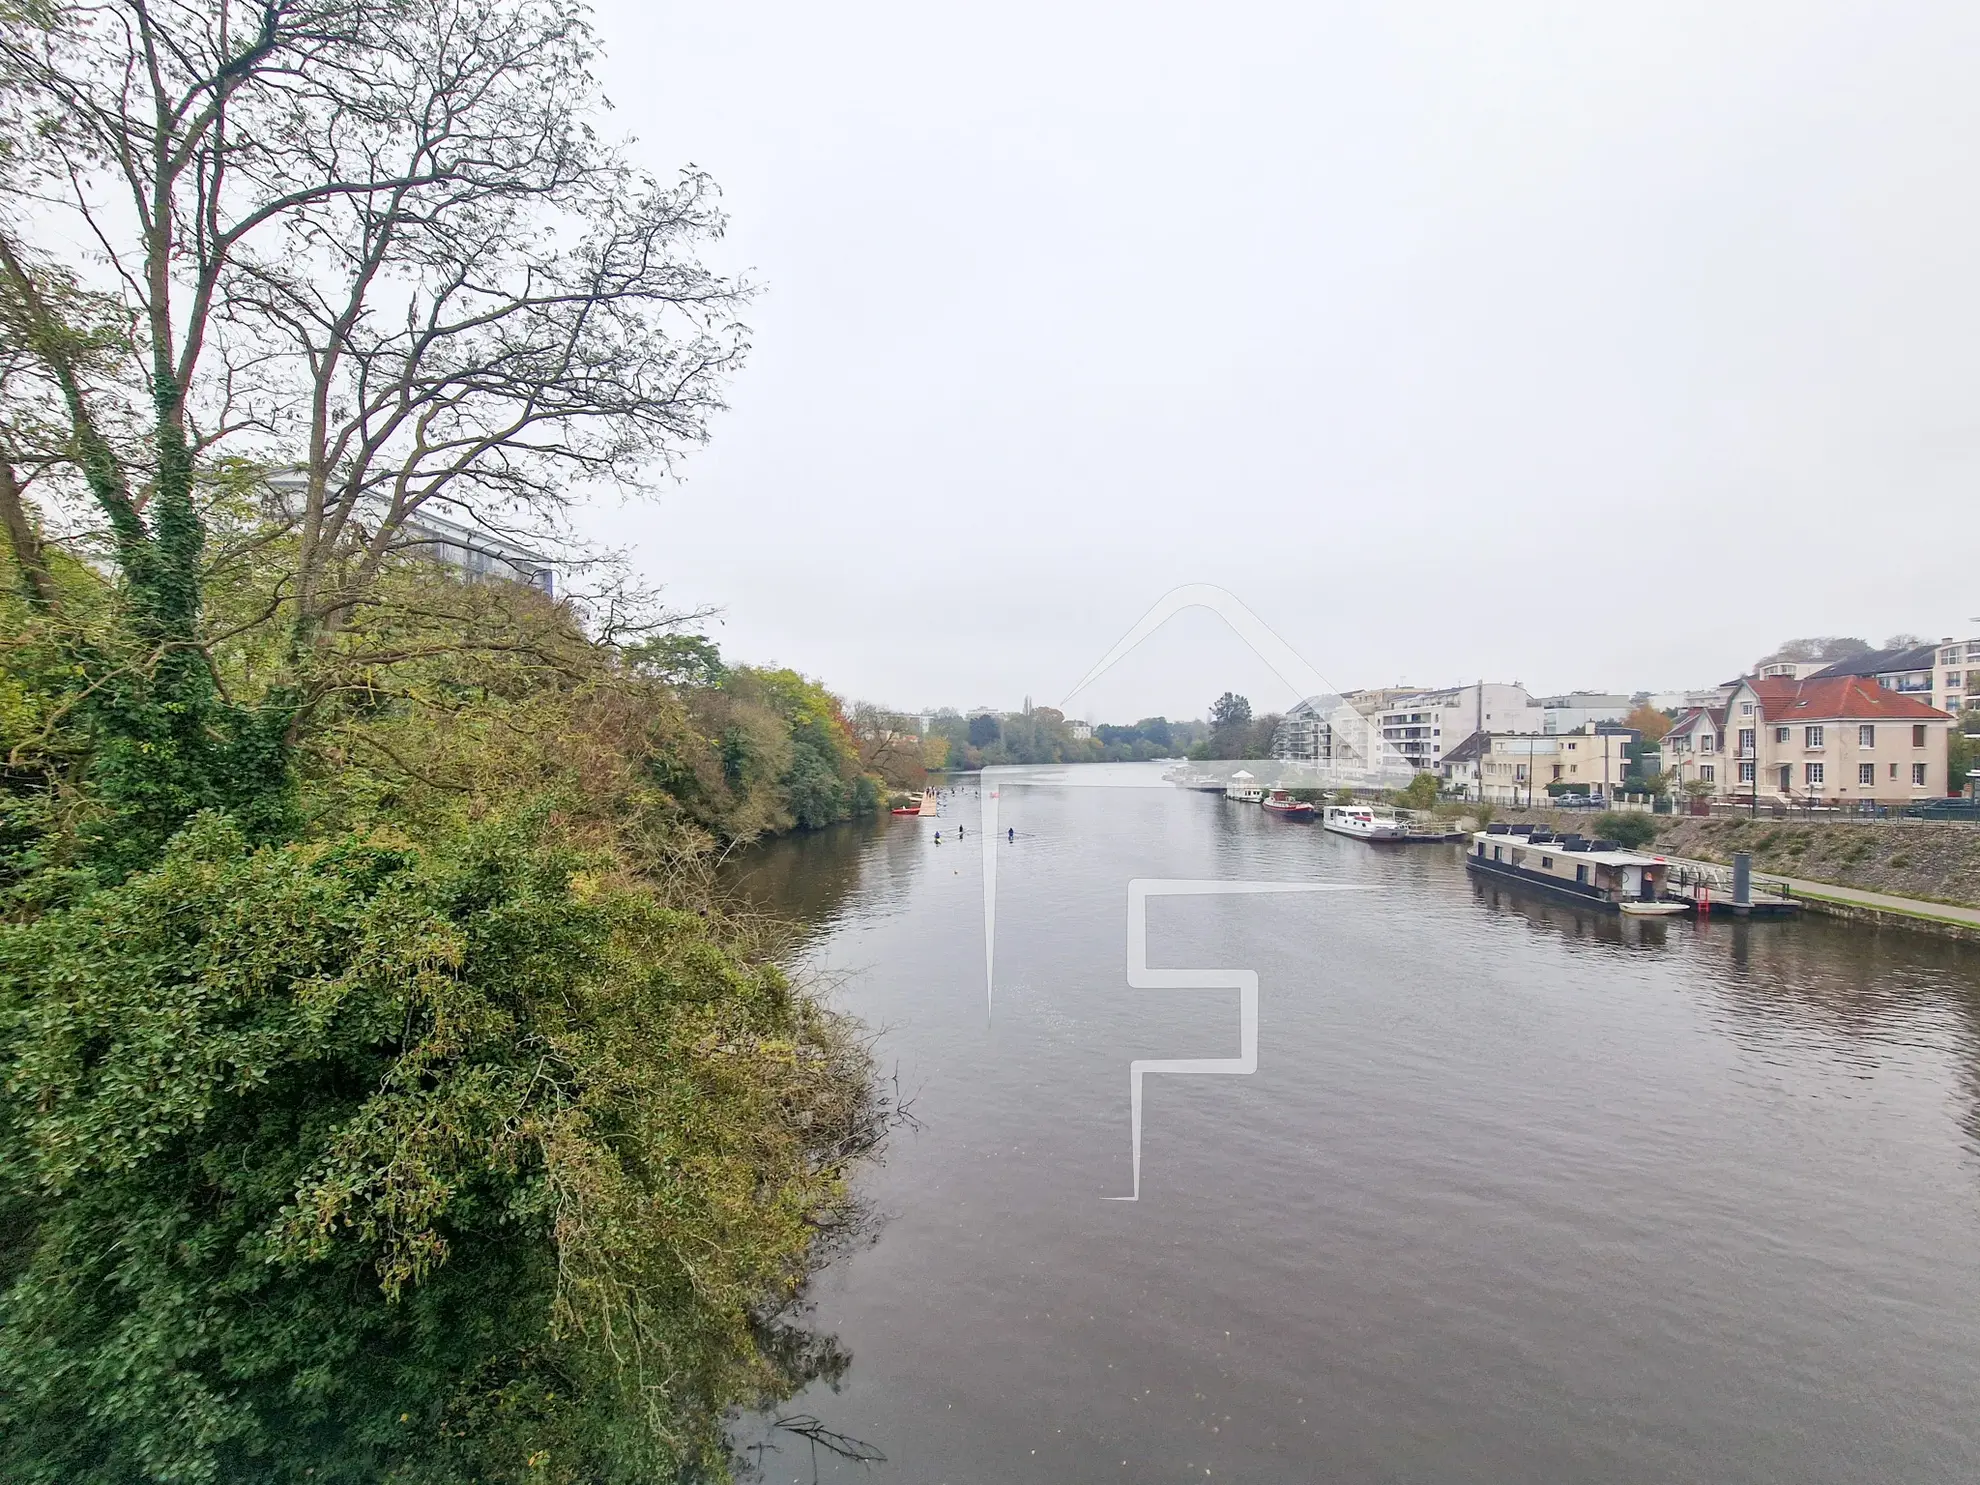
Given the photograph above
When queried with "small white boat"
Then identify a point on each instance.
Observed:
(1364, 821)
(1654, 909)
(1244, 788)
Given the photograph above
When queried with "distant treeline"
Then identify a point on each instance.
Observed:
(1043, 735)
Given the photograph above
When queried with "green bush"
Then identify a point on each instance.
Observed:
(1626, 828)
(345, 1160)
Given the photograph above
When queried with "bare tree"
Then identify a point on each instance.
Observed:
(888, 743)
(376, 245)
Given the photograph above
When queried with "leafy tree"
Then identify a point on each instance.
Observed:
(1648, 721)
(984, 730)
(1420, 793)
(681, 659)
(1229, 710)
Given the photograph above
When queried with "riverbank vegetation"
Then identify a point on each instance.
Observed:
(386, 1096)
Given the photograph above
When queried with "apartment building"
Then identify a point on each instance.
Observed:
(1578, 709)
(1958, 684)
(1418, 726)
(1321, 729)
(1826, 739)
(1942, 675)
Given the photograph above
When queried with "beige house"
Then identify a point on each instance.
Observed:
(1516, 768)
(1823, 740)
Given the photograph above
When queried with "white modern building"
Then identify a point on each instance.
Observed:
(1420, 726)
(1578, 709)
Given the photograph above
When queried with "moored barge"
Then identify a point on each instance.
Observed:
(1596, 872)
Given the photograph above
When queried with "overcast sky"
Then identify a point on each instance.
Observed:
(1580, 345)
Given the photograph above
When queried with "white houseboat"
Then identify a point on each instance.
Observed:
(1244, 788)
(1364, 821)
(1596, 872)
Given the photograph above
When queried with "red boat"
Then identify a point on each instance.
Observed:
(1279, 802)
(924, 806)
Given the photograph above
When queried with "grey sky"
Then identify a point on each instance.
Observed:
(1579, 345)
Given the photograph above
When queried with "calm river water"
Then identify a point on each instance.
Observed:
(1518, 1192)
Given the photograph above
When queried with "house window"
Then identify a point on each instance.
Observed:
(1811, 775)
(1918, 775)
(1705, 742)
(1893, 773)
(1918, 735)
(1747, 738)
(1866, 773)
(1811, 737)
(1782, 734)
(1707, 772)
(1746, 708)
(1866, 736)
(1746, 775)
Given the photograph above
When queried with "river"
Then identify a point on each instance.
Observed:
(1518, 1191)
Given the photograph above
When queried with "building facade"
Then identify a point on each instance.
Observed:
(1578, 709)
(1517, 768)
(1958, 684)
(1943, 675)
(1823, 740)
(1418, 726)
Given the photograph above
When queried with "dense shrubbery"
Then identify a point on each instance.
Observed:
(391, 1161)
(444, 1130)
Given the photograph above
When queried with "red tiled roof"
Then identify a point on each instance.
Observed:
(1845, 697)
